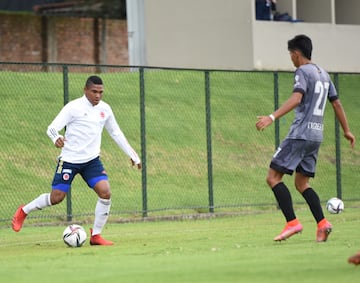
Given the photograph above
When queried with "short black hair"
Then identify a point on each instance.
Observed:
(93, 80)
(302, 43)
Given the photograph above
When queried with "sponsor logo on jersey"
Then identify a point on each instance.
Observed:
(315, 126)
(102, 114)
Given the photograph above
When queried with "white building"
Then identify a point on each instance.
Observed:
(224, 34)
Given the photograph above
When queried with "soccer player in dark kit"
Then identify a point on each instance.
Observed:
(299, 150)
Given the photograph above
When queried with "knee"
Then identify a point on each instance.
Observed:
(301, 184)
(271, 181)
(104, 194)
(273, 178)
(102, 189)
(300, 187)
(268, 180)
(57, 197)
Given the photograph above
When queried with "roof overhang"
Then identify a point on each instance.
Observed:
(112, 9)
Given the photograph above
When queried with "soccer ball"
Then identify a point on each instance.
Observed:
(335, 205)
(74, 235)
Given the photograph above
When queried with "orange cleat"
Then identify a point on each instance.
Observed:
(289, 231)
(98, 240)
(18, 219)
(355, 259)
(323, 230)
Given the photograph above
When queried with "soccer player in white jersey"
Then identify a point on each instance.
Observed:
(84, 119)
(299, 150)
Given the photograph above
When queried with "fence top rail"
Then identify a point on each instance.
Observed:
(135, 67)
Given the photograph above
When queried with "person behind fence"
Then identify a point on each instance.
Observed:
(299, 150)
(264, 9)
(83, 120)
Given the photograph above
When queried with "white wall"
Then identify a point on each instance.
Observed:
(213, 34)
(198, 33)
(334, 47)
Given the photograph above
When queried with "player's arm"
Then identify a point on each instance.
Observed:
(57, 125)
(341, 116)
(293, 101)
(118, 136)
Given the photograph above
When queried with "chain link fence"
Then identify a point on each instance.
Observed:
(194, 129)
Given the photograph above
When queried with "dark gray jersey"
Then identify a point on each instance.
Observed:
(316, 86)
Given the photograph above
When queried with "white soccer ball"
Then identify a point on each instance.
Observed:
(74, 235)
(335, 205)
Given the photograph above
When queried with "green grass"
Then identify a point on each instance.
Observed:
(225, 249)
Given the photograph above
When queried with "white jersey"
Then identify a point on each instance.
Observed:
(84, 125)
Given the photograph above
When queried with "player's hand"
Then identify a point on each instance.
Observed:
(263, 122)
(350, 137)
(138, 165)
(60, 142)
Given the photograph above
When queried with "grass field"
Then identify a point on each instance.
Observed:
(225, 249)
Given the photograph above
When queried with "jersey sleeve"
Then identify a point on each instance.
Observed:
(118, 136)
(332, 94)
(300, 83)
(60, 121)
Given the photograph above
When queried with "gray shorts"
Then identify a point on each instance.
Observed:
(299, 155)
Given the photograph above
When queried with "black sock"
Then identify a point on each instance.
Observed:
(313, 201)
(284, 200)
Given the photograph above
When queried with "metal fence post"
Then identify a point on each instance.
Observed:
(337, 145)
(208, 141)
(276, 106)
(277, 122)
(143, 142)
(66, 100)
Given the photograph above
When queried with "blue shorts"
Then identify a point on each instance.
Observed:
(299, 155)
(92, 172)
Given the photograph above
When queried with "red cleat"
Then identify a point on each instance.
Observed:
(18, 219)
(289, 231)
(323, 230)
(355, 259)
(98, 240)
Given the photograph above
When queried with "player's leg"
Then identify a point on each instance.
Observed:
(324, 227)
(283, 162)
(42, 201)
(305, 171)
(60, 186)
(102, 209)
(283, 197)
(281, 193)
(95, 176)
(309, 194)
